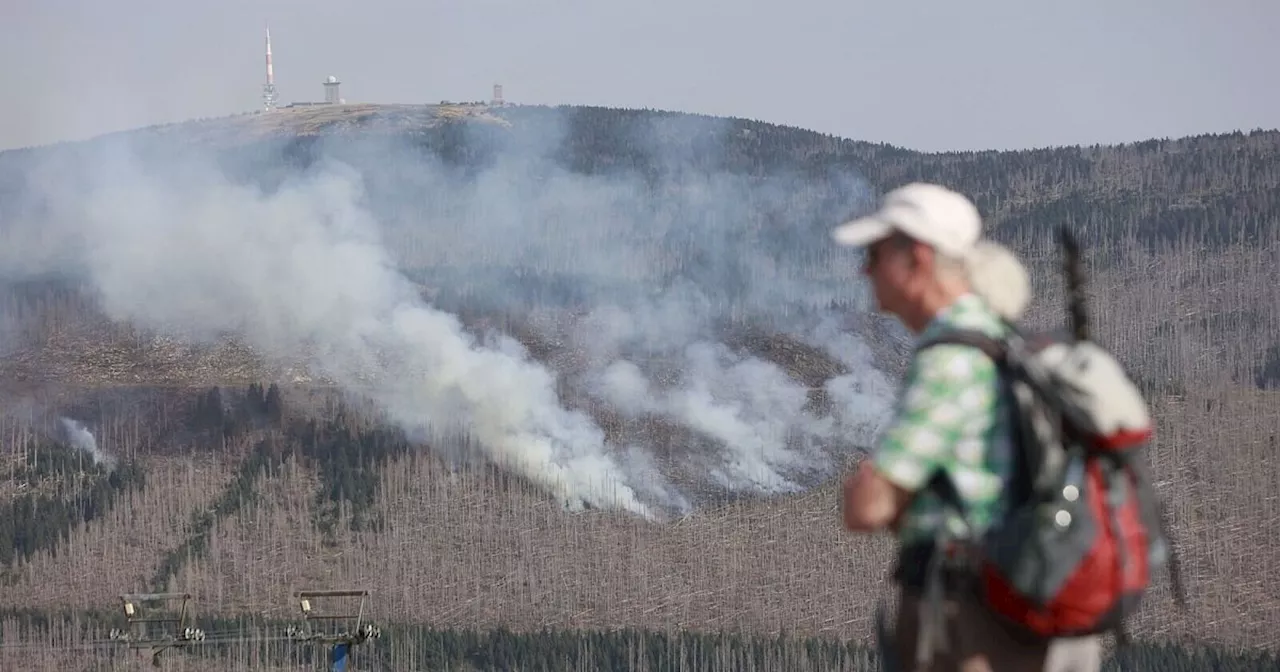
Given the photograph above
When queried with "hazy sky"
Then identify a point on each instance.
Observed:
(926, 75)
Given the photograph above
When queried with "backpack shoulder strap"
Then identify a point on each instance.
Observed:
(991, 346)
(1027, 458)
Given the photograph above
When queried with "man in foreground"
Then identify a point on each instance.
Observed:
(953, 429)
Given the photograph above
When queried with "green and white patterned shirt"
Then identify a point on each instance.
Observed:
(951, 416)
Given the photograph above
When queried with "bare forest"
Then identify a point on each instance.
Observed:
(145, 448)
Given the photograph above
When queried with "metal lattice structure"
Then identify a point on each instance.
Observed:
(156, 627)
(269, 87)
(341, 641)
(149, 631)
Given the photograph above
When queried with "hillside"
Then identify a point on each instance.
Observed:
(569, 368)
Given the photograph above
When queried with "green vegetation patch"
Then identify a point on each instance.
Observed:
(65, 487)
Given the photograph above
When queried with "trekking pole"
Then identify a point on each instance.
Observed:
(1074, 270)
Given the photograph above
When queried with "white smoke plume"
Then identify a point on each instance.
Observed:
(303, 270)
(82, 439)
(863, 398)
(748, 404)
(330, 262)
(752, 407)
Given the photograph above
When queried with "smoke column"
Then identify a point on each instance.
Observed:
(82, 439)
(328, 259)
(302, 270)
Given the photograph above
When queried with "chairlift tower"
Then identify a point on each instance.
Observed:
(340, 641)
(142, 634)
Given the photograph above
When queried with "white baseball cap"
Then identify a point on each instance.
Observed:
(930, 213)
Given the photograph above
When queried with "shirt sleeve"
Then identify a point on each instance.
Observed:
(947, 388)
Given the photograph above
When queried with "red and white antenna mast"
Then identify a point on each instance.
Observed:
(269, 88)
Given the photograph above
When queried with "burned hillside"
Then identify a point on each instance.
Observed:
(577, 367)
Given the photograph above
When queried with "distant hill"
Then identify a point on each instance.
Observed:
(458, 354)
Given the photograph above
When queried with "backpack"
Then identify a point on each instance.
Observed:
(1084, 531)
